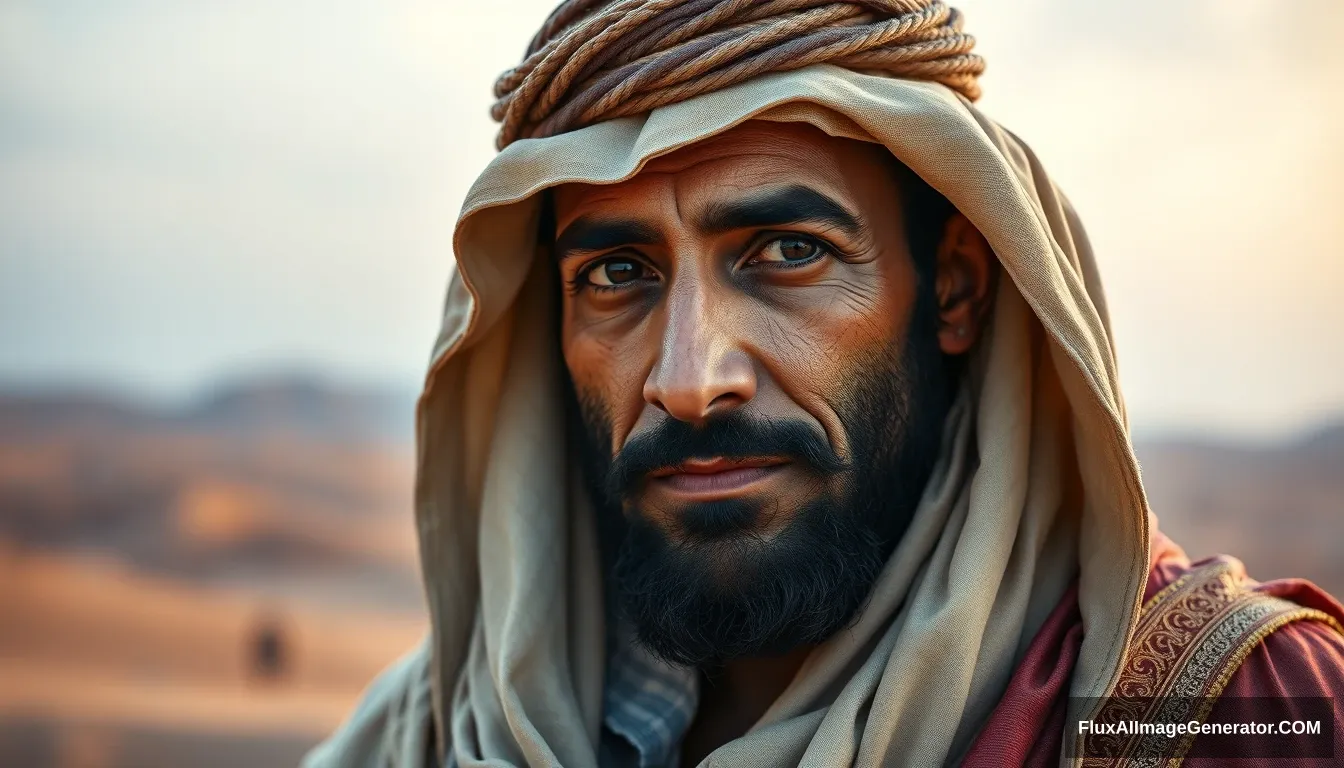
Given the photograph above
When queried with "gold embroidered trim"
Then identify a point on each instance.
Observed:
(1189, 640)
(1234, 663)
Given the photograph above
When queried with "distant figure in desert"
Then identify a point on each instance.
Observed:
(266, 652)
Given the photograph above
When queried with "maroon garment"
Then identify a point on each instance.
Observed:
(1302, 659)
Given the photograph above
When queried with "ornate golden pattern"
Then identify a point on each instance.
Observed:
(1189, 640)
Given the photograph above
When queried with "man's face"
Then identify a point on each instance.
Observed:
(759, 379)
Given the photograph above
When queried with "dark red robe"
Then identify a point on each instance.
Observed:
(1301, 659)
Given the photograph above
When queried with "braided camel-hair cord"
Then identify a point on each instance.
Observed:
(596, 60)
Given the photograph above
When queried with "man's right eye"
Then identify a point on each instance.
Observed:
(616, 271)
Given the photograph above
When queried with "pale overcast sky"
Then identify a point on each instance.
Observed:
(192, 189)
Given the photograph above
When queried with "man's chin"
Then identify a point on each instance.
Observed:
(713, 525)
(723, 525)
(705, 601)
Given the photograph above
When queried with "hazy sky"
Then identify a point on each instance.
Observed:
(192, 189)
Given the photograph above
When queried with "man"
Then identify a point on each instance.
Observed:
(775, 421)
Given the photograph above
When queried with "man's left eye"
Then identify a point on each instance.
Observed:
(789, 250)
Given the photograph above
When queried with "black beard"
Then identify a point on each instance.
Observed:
(721, 592)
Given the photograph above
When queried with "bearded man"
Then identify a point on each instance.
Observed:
(775, 421)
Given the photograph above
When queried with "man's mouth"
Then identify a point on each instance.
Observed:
(704, 479)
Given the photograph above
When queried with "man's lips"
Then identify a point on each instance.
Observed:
(717, 477)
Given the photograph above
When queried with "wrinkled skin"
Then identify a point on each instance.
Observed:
(773, 320)
(761, 279)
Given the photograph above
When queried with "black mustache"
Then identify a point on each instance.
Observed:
(735, 436)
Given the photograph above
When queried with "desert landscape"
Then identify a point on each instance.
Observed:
(213, 584)
(210, 585)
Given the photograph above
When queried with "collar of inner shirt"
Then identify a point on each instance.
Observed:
(647, 705)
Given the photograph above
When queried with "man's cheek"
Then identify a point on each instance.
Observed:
(607, 381)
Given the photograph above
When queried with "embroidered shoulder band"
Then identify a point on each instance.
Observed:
(1190, 638)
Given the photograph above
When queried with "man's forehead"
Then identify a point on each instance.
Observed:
(788, 143)
(756, 153)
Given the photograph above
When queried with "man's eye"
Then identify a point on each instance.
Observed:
(789, 250)
(610, 273)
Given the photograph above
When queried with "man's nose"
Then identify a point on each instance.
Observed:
(701, 369)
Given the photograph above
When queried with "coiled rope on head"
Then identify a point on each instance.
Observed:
(595, 60)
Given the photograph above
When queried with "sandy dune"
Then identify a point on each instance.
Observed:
(87, 646)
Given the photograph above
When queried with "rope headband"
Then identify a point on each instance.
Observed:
(596, 60)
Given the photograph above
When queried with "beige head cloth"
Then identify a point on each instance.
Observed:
(1037, 483)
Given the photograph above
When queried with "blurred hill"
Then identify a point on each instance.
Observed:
(292, 404)
(1280, 508)
(285, 484)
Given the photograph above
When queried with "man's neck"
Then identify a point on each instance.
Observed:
(734, 697)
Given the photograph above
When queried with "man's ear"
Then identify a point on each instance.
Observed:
(964, 282)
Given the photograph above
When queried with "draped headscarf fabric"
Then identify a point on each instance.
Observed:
(1036, 485)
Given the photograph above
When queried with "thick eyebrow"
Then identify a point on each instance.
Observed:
(587, 234)
(789, 205)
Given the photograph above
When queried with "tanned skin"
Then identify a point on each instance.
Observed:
(696, 288)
